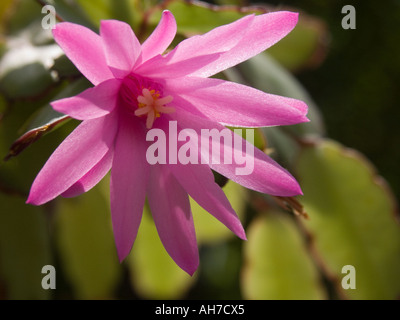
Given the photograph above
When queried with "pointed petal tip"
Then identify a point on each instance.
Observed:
(287, 19)
(30, 201)
(170, 18)
(302, 118)
(190, 269)
(302, 106)
(289, 188)
(294, 18)
(84, 48)
(35, 200)
(291, 16)
(122, 253)
(299, 115)
(242, 235)
(122, 246)
(303, 111)
(167, 12)
(191, 273)
(238, 230)
(298, 107)
(295, 190)
(121, 46)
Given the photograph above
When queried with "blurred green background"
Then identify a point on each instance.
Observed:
(346, 160)
(356, 87)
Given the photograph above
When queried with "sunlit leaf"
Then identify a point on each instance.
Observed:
(24, 248)
(25, 66)
(200, 17)
(277, 264)
(26, 81)
(98, 10)
(352, 220)
(154, 274)
(220, 268)
(86, 246)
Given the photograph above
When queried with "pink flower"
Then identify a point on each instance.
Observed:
(137, 87)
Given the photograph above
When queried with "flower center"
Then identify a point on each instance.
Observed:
(151, 105)
(144, 98)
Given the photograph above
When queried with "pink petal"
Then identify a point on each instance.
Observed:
(165, 68)
(170, 207)
(161, 37)
(129, 176)
(92, 103)
(267, 176)
(261, 32)
(237, 105)
(73, 158)
(218, 40)
(92, 178)
(198, 181)
(85, 49)
(121, 46)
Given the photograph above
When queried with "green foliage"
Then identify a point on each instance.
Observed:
(307, 40)
(277, 264)
(352, 219)
(25, 64)
(85, 242)
(97, 10)
(24, 248)
(192, 19)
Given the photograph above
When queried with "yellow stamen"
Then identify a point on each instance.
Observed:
(150, 104)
